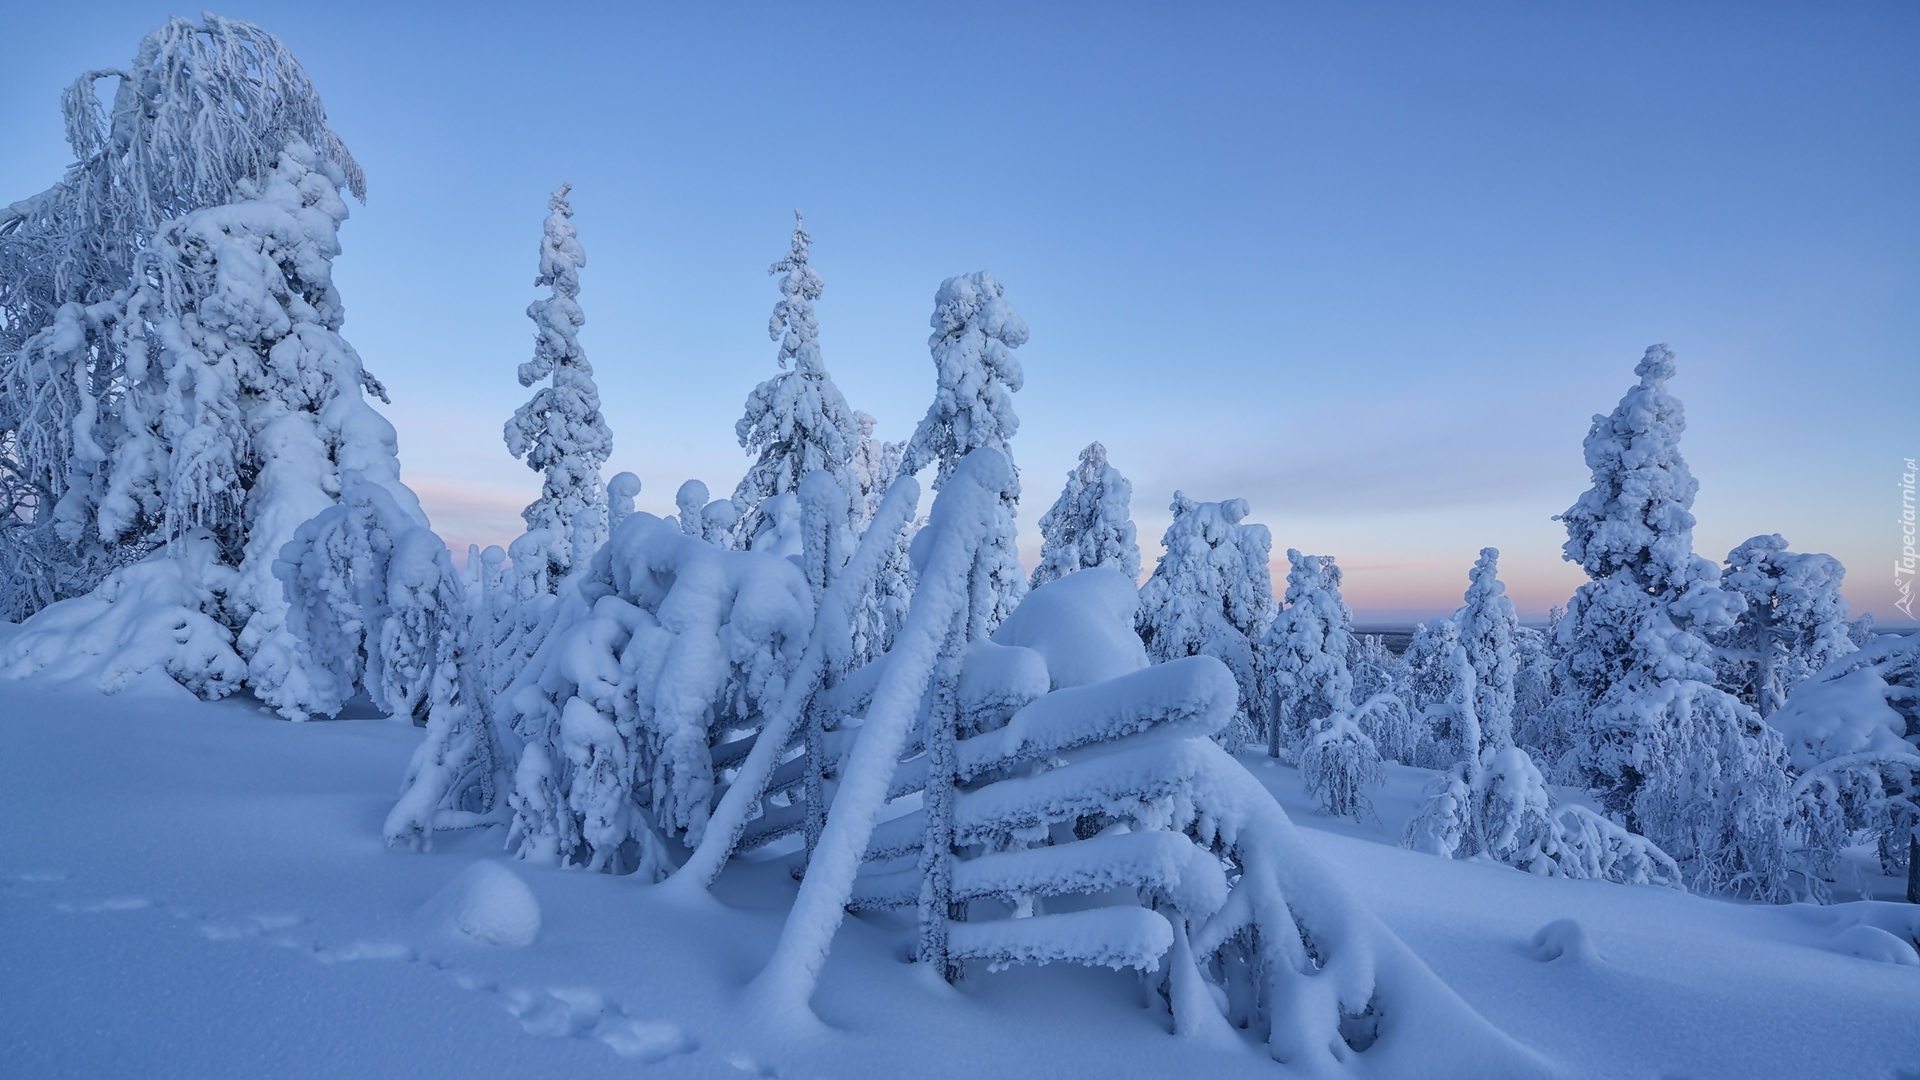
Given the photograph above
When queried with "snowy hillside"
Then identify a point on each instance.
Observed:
(199, 890)
(818, 779)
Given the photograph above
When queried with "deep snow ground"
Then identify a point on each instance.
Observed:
(195, 890)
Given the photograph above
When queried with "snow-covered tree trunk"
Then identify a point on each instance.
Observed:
(561, 432)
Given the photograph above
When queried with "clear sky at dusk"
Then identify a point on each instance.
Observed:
(1371, 267)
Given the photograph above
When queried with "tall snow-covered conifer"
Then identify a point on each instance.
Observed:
(1091, 524)
(1488, 625)
(1685, 763)
(561, 432)
(796, 421)
(975, 332)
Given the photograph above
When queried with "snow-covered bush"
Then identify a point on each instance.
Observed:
(1853, 735)
(560, 432)
(375, 603)
(1374, 667)
(1090, 524)
(1503, 810)
(1304, 655)
(796, 422)
(666, 648)
(1212, 595)
(1679, 760)
(713, 520)
(1339, 761)
(158, 616)
(1534, 660)
(1795, 622)
(203, 109)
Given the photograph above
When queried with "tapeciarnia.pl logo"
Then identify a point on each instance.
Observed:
(1903, 567)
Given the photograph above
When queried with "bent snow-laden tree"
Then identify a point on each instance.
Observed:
(1050, 762)
(976, 375)
(1212, 595)
(1090, 524)
(240, 407)
(1680, 761)
(796, 421)
(203, 109)
(560, 432)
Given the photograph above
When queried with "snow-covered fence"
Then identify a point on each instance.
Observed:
(1095, 825)
(1052, 766)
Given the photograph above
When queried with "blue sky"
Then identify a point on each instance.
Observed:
(1371, 267)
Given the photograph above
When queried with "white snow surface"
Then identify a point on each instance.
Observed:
(251, 922)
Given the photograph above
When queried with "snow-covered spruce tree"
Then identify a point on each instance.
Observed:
(796, 421)
(1488, 627)
(1090, 524)
(874, 464)
(1304, 654)
(1794, 625)
(1211, 594)
(1679, 760)
(1310, 715)
(202, 108)
(976, 375)
(243, 406)
(560, 432)
(1534, 660)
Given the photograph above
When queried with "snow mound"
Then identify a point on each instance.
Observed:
(1872, 943)
(1081, 625)
(146, 618)
(1565, 939)
(488, 903)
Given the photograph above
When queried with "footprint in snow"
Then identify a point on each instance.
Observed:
(583, 1014)
(250, 927)
(115, 903)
